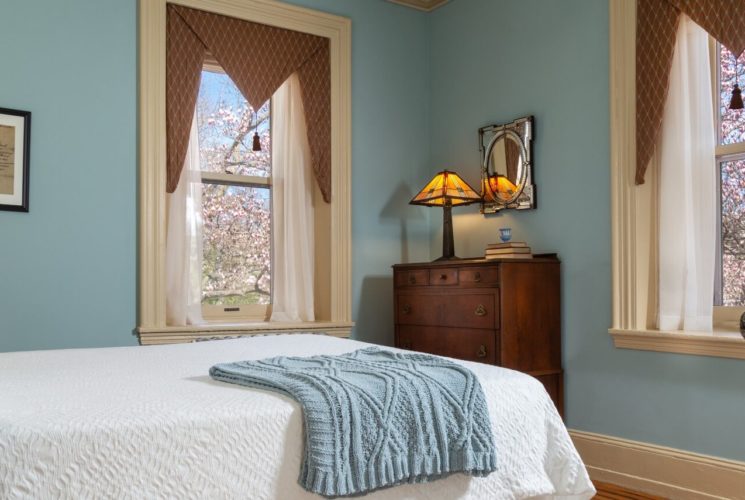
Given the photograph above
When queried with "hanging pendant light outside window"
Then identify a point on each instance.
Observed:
(257, 141)
(736, 100)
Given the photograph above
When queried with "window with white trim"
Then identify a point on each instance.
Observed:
(729, 290)
(634, 219)
(236, 273)
(333, 297)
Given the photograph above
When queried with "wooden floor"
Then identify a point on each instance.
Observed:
(608, 491)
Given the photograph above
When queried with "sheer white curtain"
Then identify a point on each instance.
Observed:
(292, 207)
(687, 188)
(184, 242)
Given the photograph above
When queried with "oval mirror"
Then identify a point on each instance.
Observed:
(506, 169)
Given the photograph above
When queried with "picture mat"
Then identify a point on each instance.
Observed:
(7, 161)
(16, 195)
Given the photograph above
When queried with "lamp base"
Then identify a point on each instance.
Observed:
(448, 247)
(443, 258)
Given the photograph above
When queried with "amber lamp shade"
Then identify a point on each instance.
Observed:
(446, 190)
(497, 186)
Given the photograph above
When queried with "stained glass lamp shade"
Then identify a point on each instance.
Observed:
(498, 186)
(446, 190)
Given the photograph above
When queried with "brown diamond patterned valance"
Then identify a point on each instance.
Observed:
(656, 27)
(258, 58)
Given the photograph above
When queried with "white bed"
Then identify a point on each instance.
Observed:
(148, 422)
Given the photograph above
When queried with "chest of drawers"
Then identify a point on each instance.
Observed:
(502, 312)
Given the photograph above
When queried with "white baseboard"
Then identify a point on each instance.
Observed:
(658, 470)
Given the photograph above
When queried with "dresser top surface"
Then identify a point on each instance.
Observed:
(480, 261)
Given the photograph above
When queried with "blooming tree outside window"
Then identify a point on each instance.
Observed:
(731, 161)
(236, 195)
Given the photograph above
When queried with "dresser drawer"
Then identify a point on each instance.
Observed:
(467, 310)
(462, 343)
(479, 276)
(444, 276)
(416, 277)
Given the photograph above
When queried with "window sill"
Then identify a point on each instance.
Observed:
(186, 334)
(719, 343)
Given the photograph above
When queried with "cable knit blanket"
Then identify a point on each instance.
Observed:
(375, 418)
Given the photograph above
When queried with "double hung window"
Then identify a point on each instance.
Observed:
(240, 195)
(236, 274)
(729, 289)
(635, 209)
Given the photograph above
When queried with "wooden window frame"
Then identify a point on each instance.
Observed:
(634, 218)
(246, 313)
(333, 221)
(727, 317)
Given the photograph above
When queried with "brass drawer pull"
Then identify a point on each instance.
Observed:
(412, 279)
(407, 309)
(481, 353)
(443, 276)
(480, 310)
(477, 277)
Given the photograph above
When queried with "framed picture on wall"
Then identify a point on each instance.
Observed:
(15, 137)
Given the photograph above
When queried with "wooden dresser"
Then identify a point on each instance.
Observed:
(502, 312)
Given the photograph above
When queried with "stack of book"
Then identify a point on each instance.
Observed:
(509, 250)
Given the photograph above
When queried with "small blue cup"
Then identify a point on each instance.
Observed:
(505, 234)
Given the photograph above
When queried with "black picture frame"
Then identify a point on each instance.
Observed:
(16, 200)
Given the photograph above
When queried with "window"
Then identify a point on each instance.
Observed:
(634, 214)
(333, 296)
(730, 272)
(236, 201)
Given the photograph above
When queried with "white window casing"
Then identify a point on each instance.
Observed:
(333, 295)
(634, 218)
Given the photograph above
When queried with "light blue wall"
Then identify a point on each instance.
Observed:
(493, 61)
(68, 268)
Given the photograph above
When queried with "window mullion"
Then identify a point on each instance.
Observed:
(729, 151)
(236, 179)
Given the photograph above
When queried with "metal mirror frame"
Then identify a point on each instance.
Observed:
(520, 130)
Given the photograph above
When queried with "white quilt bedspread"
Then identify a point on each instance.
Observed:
(148, 422)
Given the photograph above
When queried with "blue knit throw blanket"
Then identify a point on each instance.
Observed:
(375, 418)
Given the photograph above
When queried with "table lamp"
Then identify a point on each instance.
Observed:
(446, 190)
